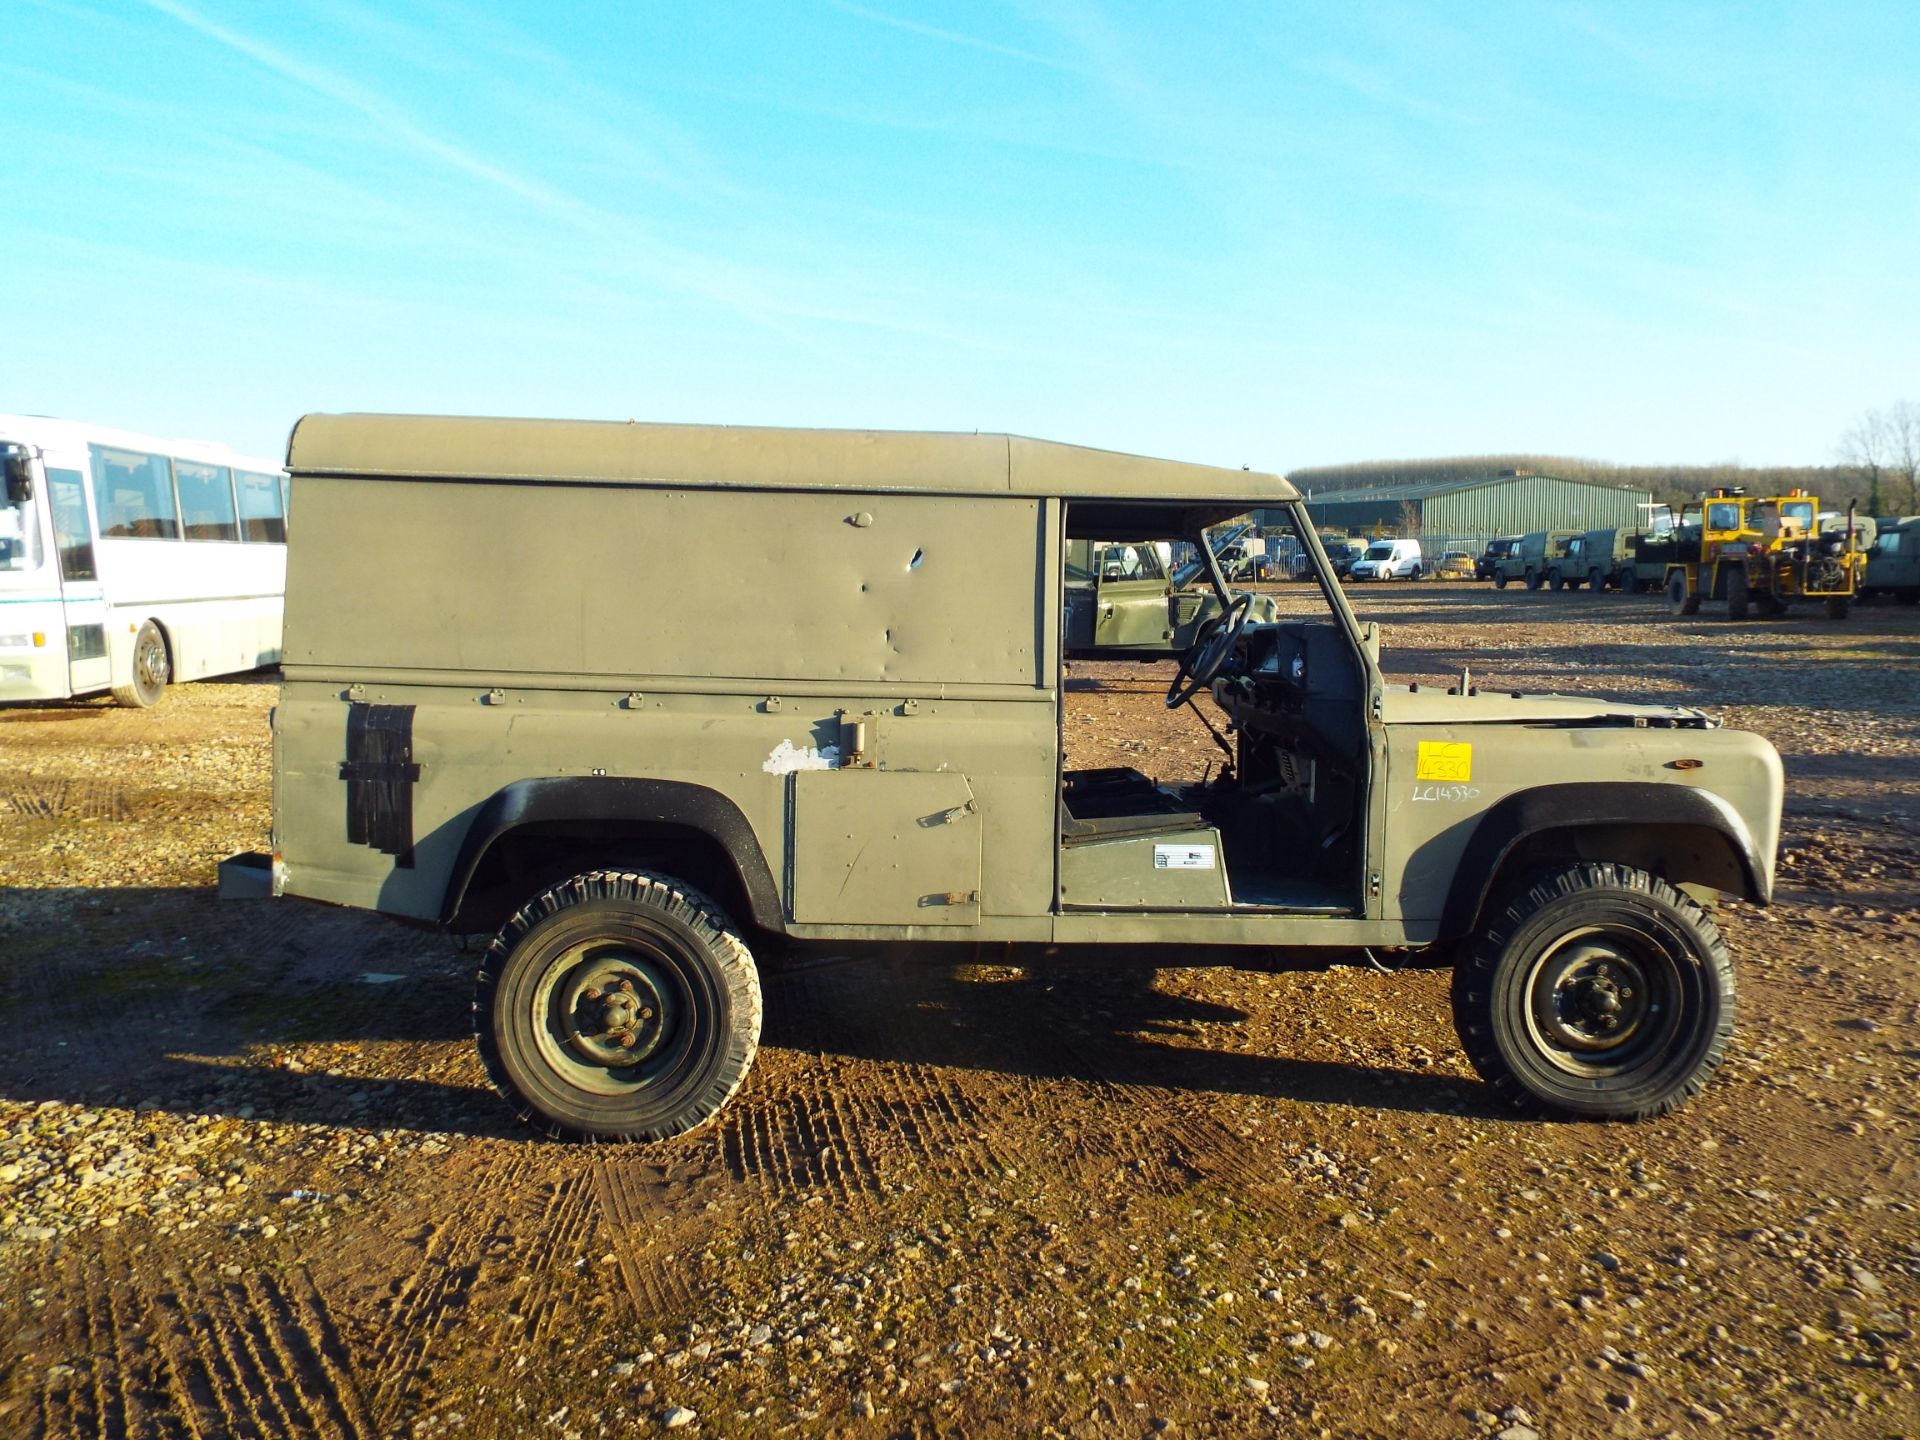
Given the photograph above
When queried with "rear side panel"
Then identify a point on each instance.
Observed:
(448, 640)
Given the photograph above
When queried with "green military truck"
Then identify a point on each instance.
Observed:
(1605, 559)
(510, 710)
(1533, 559)
(1893, 560)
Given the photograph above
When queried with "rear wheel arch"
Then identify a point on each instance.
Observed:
(534, 833)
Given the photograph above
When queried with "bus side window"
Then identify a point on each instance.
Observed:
(206, 500)
(133, 493)
(261, 516)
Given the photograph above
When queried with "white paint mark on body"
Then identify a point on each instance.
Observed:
(787, 758)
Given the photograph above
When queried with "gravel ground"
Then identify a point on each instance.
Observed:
(252, 1182)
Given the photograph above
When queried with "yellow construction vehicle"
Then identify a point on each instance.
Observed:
(1763, 552)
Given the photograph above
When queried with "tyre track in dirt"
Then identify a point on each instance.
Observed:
(433, 1300)
(184, 1353)
(52, 797)
(635, 1217)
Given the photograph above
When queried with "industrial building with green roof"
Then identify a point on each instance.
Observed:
(1468, 513)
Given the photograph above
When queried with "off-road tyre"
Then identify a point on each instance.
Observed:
(1631, 583)
(539, 990)
(1499, 579)
(1572, 950)
(1737, 594)
(1837, 607)
(1533, 579)
(152, 669)
(1680, 599)
(1556, 579)
(1596, 583)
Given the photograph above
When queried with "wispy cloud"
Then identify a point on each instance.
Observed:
(383, 113)
(949, 37)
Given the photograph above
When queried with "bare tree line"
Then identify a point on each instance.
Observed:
(1883, 447)
(1879, 470)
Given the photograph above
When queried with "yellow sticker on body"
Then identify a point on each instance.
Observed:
(1444, 760)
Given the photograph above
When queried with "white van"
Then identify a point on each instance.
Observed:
(1389, 560)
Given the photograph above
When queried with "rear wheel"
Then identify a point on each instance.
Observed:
(1631, 583)
(152, 669)
(1556, 579)
(1598, 992)
(1533, 579)
(1596, 582)
(618, 1005)
(1736, 594)
(1837, 607)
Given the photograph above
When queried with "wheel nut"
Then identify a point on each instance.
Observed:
(593, 992)
(624, 985)
(646, 1013)
(627, 1039)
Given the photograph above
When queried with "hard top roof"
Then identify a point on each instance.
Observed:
(599, 452)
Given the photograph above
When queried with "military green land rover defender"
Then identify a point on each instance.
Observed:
(517, 703)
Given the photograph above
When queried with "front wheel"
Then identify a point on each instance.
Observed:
(1598, 992)
(152, 669)
(619, 1005)
(1680, 597)
(1837, 607)
(1499, 579)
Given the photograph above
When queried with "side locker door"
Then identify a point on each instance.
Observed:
(884, 847)
(84, 601)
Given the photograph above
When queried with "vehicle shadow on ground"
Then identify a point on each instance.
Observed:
(1099, 1018)
(300, 1014)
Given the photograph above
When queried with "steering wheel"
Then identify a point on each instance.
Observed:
(1211, 649)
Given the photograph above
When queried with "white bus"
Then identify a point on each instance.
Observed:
(128, 562)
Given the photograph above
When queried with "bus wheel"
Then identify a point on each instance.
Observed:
(151, 670)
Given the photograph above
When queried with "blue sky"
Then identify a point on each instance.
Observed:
(1275, 234)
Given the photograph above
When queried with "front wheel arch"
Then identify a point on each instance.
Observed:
(1700, 840)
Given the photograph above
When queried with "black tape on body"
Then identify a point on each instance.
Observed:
(380, 773)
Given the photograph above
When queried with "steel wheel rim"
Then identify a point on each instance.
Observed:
(150, 668)
(1605, 1002)
(595, 994)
